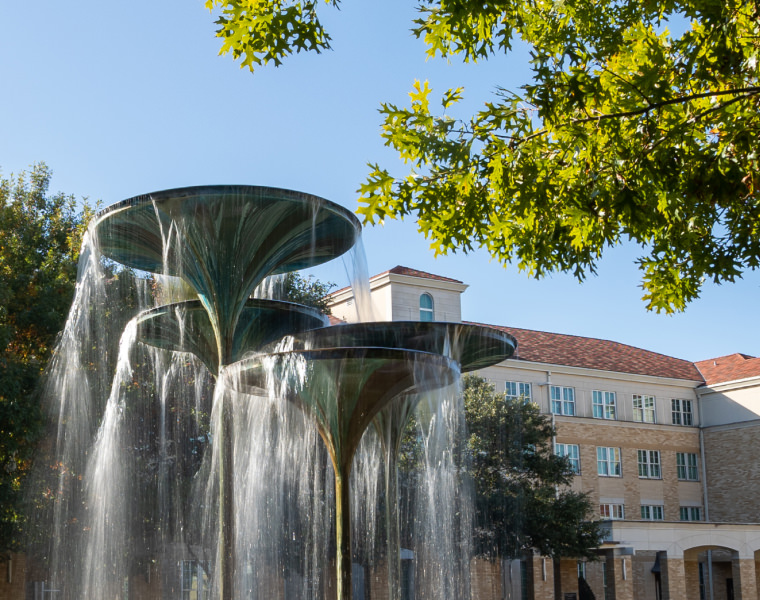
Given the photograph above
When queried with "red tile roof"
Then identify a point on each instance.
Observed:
(592, 353)
(729, 368)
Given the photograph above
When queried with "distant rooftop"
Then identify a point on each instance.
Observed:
(592, 353)
(399, 270)
(606, 355)
(729, 368)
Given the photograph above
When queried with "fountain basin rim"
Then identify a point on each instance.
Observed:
(250, 303)
(193, 191)
(476, 336)
(365, 352)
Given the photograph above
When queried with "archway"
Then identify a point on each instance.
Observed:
(715, 572)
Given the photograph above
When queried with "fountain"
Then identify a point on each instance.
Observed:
(222, 242)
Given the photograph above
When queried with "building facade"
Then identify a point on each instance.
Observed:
(665, 448)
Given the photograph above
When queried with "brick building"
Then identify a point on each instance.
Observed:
(666, 448)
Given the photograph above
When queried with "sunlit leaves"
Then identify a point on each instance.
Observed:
(258, 32)
(639, 125)
(627, 133)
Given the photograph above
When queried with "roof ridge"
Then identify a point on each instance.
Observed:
(584, 337)
(597, 353)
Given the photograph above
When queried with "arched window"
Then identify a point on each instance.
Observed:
(426, 307)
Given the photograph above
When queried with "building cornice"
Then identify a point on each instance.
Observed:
(384, 279)
(729, 386)
(598, 373)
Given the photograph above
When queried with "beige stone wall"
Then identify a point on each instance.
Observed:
(743, 572)
(585, 381)
(630, 489)
(15, 571)
(620, 576)
(673, 579)
(540, 578)
(721, 574)
(691, 576)
(147, 586)
(732, 405)
(485, 580)
(406, 302)
(378, 582)
(733, 473)
(644, 582)
(595, 577)
(565, 577)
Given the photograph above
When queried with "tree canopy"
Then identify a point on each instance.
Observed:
(639, 125)
(309, 291)
(40, 236)
(522, 494)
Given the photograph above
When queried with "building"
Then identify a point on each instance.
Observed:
(666, 448)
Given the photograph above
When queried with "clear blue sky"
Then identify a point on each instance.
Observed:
(126, 98)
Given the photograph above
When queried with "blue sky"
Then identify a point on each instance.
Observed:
(126, 98)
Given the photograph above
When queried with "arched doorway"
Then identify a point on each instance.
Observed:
(719, 573)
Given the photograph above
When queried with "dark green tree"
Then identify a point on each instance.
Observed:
(40, 237)
(639, 125)
(522, 494)
(309, 291)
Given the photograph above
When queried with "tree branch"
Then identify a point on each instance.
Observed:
(744, 92)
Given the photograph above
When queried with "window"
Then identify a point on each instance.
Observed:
(572, 452)
(603, 404)
(563, 400)
(691, 513)
(194, 581)
(681, 412)
(608, 462)
(702, 578)
(643, 408)
(686, 465)
(649, 464)
(426, 307)
(612, 511)
(581, 569)
(516, 390)
(651, 512)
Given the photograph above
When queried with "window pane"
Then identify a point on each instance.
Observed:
(426, 307)
(563, 400)
(518, 390)
(687, 416)
(572, 452)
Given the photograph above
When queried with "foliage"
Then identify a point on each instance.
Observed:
(308, 291)
(639, 125)
(522, 498)
(259, 32)
(40, 236)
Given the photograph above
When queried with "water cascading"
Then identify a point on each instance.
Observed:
(226, 406)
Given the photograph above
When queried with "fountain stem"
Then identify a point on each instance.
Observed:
(343, 559)
(226, 504)
(392, 523)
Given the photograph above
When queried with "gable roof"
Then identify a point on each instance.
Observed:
(399, 270)
(592, 353)
(729, 368)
